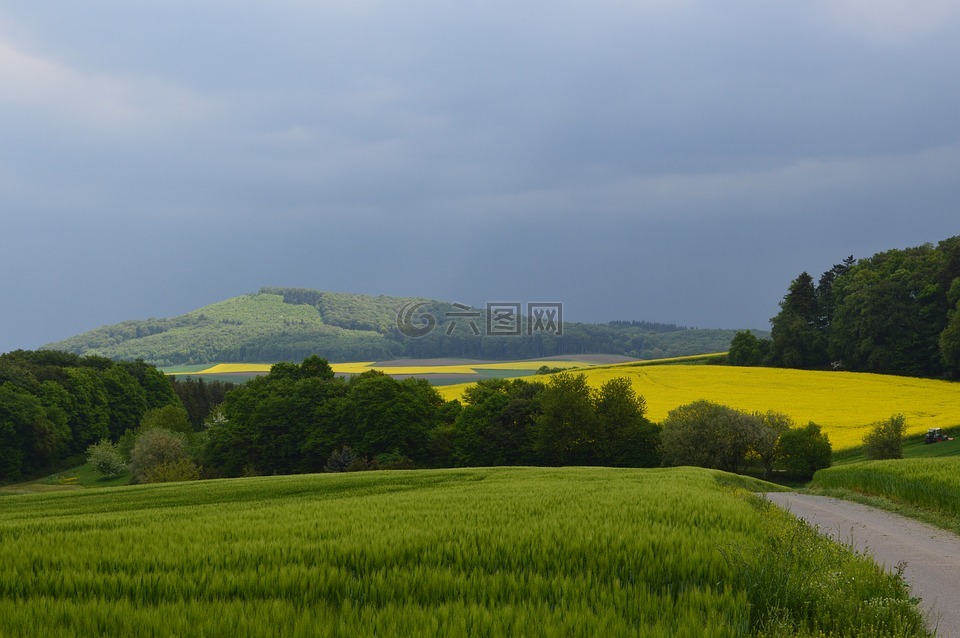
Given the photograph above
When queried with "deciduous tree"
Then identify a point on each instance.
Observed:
(772, 425)
(804, 450)
(496, 425)
(707, 434)
(625, 438)
(567, 428)
(885, 439)
(160, 455)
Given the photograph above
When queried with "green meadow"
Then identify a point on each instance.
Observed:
(489, 552)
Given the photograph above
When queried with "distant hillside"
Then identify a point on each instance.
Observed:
(278, 324)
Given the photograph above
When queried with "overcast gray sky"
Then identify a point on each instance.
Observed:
(667, 160)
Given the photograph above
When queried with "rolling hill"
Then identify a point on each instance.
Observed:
(277, 324)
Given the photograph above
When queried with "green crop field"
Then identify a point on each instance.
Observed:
(927, 488)
(506, 551)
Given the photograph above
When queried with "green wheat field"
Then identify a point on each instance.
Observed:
(484, 552)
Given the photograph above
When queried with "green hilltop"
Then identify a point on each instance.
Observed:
(288, 324)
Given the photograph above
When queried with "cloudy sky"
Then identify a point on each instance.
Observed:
(667, 160)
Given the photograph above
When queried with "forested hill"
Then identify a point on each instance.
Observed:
(279, 324)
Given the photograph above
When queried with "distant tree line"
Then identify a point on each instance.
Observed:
(302, 418)
(54, 405)
(651, 326)
(897, 312)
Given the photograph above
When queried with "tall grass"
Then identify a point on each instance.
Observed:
(926, 483)
(507, 551)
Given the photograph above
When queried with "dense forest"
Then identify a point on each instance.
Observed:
(289, 324)
(897, 312)
(53, 405)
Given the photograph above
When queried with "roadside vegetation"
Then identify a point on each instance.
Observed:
(504, 551)
(924, 488)
(915, 476)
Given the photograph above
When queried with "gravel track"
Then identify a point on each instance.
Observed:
(932, 555)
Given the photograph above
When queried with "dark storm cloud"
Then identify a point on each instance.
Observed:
(676, 161)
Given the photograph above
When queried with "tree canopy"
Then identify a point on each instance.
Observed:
(897, 312)
(56, 404)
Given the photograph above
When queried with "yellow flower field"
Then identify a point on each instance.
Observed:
(365, 366)
(844, 403)
(228, 368)
(339, 368)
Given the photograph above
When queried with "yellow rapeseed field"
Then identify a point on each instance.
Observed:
(339, 368)
(844, 403)
(227, 368)
(359, 367)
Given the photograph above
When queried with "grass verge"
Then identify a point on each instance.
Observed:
(927, 489)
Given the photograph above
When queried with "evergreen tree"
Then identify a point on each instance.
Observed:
(796, 337)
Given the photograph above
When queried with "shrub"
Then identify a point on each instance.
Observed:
(155, 448)
(548, 370)
(106, 458)
(361, 464)
(393, 461)
(885, 439)
(170, 471)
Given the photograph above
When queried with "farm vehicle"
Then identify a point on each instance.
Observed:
(935, 435)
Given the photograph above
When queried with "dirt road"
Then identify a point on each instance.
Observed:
(932, 555)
